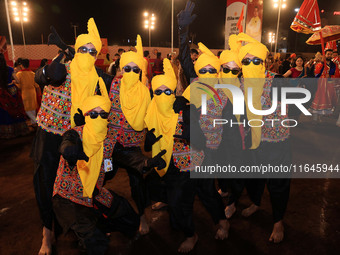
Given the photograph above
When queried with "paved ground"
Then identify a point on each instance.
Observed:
(312, 219)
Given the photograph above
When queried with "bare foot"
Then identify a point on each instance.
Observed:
(223, 230)
(46, 246)
(223, 194)
(158, 206)
(188, 244)
(143, 226)
(278, 232)
(230, 210)
(250, 210)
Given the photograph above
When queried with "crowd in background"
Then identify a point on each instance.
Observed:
(21, 96)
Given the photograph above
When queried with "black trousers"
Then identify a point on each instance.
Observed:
(273, 154)
(132, 159)
(178, 191)
(156, 187)
(45, 153)
(90, 225)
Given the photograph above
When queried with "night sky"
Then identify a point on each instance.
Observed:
(120, 20)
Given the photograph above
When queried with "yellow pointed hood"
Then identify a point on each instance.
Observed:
(84, 77)
(206, 58)
(94, 133)
(254, 78)
(135, 57)
(91, 37)
(134, 95)
(161, 116)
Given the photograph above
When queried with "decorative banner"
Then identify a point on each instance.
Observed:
(329, 33)
(331, 45)
(3, 47)
(254, 19)
(307, 20)
(233, 13)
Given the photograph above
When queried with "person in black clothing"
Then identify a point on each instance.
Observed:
(43, 62)
(80, 201)
(158, 65)
(54, 118)
(187, 57)
(285, 66)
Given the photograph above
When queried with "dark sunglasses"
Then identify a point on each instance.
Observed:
(94, 115)
(84, 50)
(233, 71)
(210, 70)
(167, 92)
(128, 69)
(247, 61)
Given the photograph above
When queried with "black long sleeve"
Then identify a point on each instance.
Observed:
(106, 78)
(184, 55)
(71, 148)
(43, 80)
(69, 138)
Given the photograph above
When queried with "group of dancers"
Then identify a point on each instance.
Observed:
(90, 124)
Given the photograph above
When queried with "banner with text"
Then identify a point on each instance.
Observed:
(233, 12)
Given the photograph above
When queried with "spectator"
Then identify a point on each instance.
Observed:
(29, 90)
(43, 62)
(310, 67)
(113, 66)
(194, 55)
(120, 51)
(116, 57)
(12, 113)
(107, 60)
(285, 66)
(325, 99)
(149, 67)
(297, 71)
(275, 66)
(17, 65)
(158, 66)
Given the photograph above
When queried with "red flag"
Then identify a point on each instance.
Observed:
(307, 20)
(239, 22)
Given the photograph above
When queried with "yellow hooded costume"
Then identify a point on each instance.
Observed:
(206, 58)
(228, 56)
(231, 55)
(161, 116)
(207, 81)
(84, 77)
(134, 95)
(250, 72)
(94, 133)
